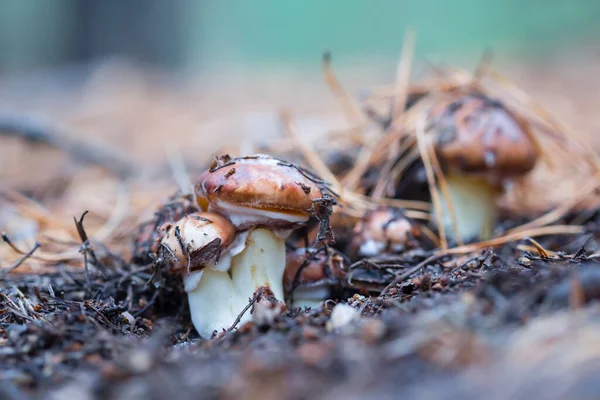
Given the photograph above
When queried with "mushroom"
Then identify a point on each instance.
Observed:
(311, 275)
(382, 230)
(265, 199)
(482, 145)
(200, 246)
(148, 237)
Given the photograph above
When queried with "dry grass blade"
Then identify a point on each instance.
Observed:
(423, 145)
(431, 235)
(591, 157)
(403, 73)
(543, 231)
(533, 249)
(352, 178)
(445, 193)
(346, 102)
(35, 211)
(386, 175)
(539, 248)
(178, 168)
(369, 204)
(311, 157)
(483, 65)
(118, 215)
(560, 211)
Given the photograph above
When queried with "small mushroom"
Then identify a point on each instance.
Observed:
(383, 230)
(201, 246)
(265, 199)
(148, 237)
(312, 275)
(482, 145)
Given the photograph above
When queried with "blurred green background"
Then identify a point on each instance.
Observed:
(212, 33)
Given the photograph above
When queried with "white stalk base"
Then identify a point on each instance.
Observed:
(474, 203)
(214, 303)
(219, 297)
(262, 263)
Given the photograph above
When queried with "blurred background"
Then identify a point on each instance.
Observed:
(146, 76)
(160, 87)
(204, 34)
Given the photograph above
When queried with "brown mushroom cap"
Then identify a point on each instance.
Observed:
(477, 135)
(323, 268)
(258, 183)
(198, 239)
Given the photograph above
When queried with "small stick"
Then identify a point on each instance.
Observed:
(147, 306)
(581, 251)
(22, 259)
(9, 242)
(241, 314)
(401, 278)
(85, 248)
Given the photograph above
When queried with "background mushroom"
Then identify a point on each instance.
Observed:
(385, 229)
(481, 145)
(313, 275)
(266, 199)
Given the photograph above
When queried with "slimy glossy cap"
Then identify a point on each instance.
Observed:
(197, 240)
(258, 190)
(479, 136)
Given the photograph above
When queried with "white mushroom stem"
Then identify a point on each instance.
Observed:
(312, 297)
(218, 297)
(474, 201)
(262, 263)
(214, 302)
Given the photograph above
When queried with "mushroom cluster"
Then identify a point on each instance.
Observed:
(482, 145)
(236, 245)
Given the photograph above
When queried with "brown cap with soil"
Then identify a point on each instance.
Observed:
(197, 240)
(478, 136)
(260, 186)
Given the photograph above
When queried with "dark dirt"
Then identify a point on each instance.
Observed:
(447, 331)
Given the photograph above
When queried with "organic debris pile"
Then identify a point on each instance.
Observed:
(416, 288)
